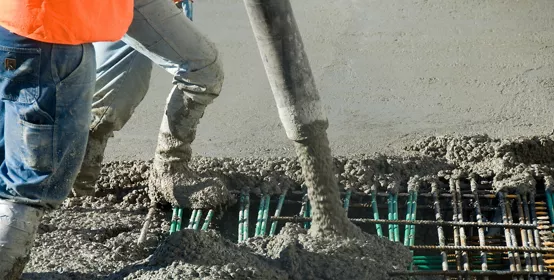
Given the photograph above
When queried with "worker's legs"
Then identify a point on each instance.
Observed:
(45, 91)
(122, 80)
(165, 35)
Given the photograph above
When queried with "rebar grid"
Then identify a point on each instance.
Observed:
(522, 220)
(297, 219)
(473, 273)
(481, 248)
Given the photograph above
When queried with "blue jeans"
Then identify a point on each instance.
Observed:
(46, 95)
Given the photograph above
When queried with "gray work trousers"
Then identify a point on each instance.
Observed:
(162, 34)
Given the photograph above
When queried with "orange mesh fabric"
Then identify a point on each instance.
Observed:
(69, 22)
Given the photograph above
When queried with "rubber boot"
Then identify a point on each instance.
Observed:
(18, 226)
(171, 178)
(92, 164)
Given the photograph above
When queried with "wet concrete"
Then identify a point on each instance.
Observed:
(293, 254)
(95, 237)
(316, 161)
(513, 164)
(389, 73)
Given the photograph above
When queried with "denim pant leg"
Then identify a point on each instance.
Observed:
(122, 80)
(2, 145)
(46, 92)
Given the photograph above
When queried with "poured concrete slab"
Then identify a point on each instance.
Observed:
(389, 72)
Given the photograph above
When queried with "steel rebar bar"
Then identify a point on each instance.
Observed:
(471, 273)
(534, 219)
(265, 216)
(404, 222)
(408, 228)
(481, 248)
(513, 235)
(460, 218)
(146, 225)
(242, 202)
(523, 233)
(480, 230)
(197, 219)
(396, 227)
(368, 205)
(488, 194)
(414, 212)
(456, 229)
(208, 220)
(260, 216)
(411, 236)
(483, 194)
(277, 212)
(173, 226)
(178, 223)
(378, 227)
(530, 237)
(246, 224)
(438, 218)
(307, 213)
(389, 215)
(244, 216)
(191, 219)
(502, 203)
(347, 197)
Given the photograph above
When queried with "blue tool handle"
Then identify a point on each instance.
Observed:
(187, 8)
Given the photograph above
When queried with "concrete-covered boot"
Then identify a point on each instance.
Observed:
(92, 164)
(170, 177)
(18, 226)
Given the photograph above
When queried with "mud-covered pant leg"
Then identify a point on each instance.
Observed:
(122, 80)
(165, 35)
(46, 93)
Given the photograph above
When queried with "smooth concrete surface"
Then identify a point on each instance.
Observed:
(389, 72)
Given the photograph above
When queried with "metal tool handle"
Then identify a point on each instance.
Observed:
(186, 5)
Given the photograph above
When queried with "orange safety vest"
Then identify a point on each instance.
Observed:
(70, 22)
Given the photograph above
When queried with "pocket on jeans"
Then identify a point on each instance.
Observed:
(19, 74)
(36, 149)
